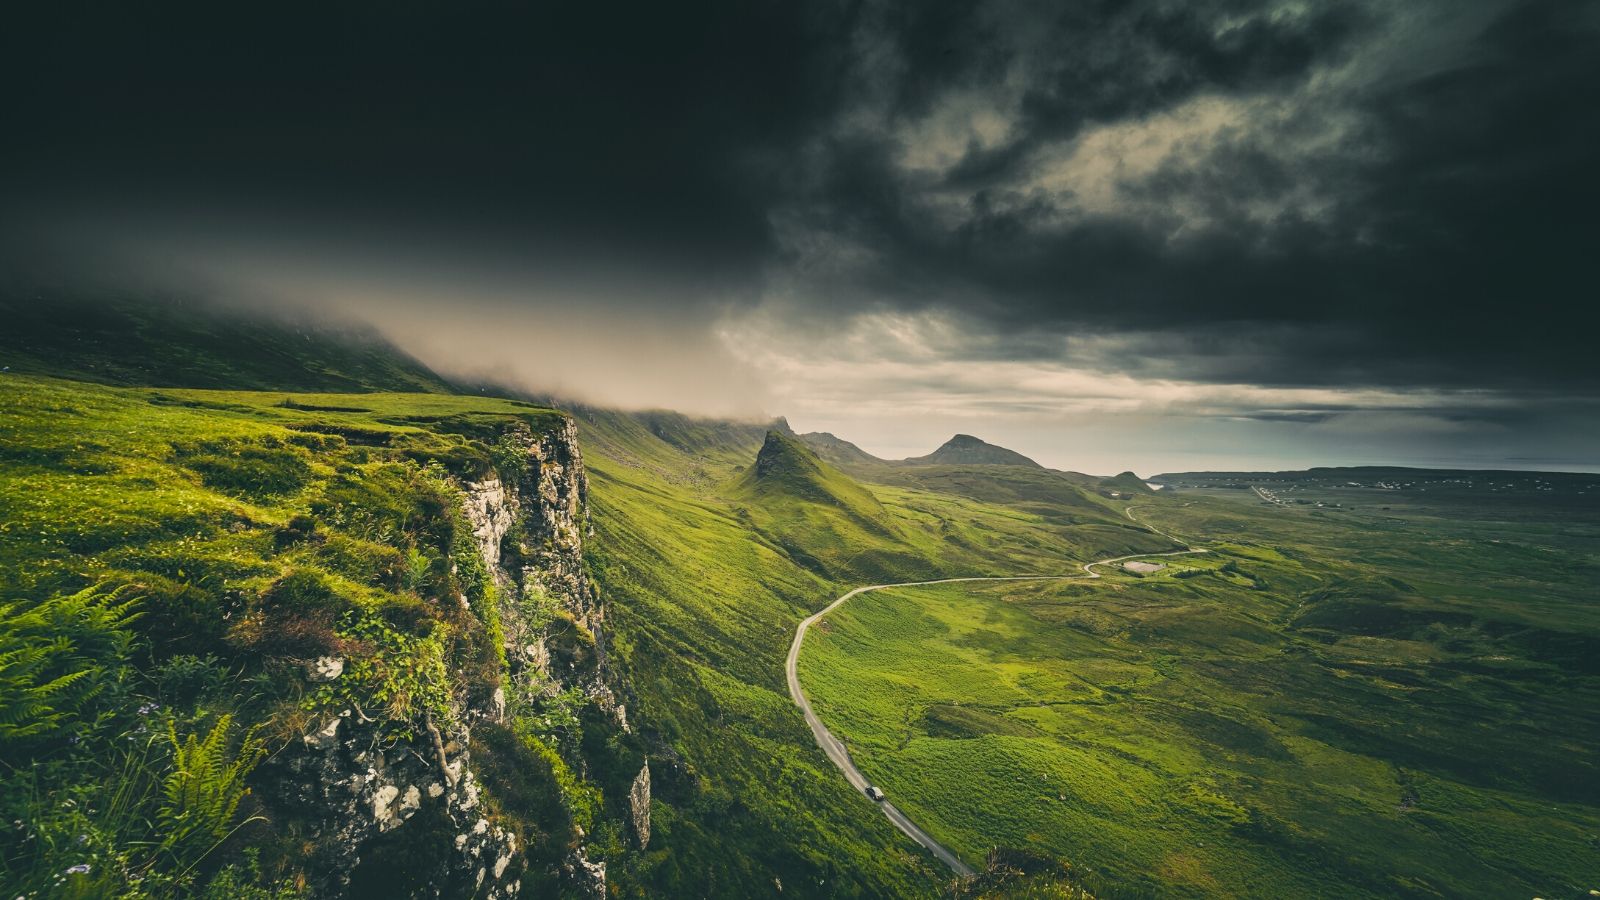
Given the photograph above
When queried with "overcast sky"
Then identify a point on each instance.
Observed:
(1148, 235)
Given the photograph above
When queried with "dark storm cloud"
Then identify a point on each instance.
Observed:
(1342, 192)
(1446, 244)
(1386, 206)
(656, 130)
(1105, 61)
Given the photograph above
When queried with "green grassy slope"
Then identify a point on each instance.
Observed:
(175, 344)
(989, 474)
(1373, 702)
(823, 519)
(249, 532)
(1127, 483)
(700, 613)
(709, 566)
(1055, 496)
(1331, 704)
(785, 468)
(90, 469)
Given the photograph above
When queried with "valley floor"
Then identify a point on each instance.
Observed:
(1325, 704)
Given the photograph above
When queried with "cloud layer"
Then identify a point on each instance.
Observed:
(1284, 214)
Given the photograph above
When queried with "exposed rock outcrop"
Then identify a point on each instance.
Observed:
(587, 875)
(324, 668)
(367, 794)
(371, 802)
(639, 806)
(530, 530)
(491, 516)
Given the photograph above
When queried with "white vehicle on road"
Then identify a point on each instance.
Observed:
(875, 793)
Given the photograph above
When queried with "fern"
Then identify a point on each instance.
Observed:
(201, 795)
(55, 658)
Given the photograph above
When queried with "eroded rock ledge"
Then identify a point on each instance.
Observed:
(367, 794)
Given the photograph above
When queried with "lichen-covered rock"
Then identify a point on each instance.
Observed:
(639, 806)
(361, 798)
(324, 737)
(587, 876)
(324, 669)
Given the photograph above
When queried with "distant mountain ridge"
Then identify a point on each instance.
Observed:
(837, 450)
(966, 450)
(1128, 482)
(1360, 471)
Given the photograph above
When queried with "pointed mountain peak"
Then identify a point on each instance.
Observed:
(782, 454)
(785, 469)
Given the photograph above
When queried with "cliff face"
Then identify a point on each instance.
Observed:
(529, 525)
(366, 801)
(375, 804)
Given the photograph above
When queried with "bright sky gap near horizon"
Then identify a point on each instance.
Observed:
(1159, 236)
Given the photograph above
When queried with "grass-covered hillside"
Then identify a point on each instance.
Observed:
(211, 600)
(221, 542)
(1330, 703)
(1127, 484)
(195, 583)
(710, 558)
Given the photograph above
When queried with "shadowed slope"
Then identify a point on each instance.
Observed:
(839, 451)
(818, 514)
(190, 345)
(786, 467)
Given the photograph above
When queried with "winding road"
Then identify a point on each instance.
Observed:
(835, 748)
